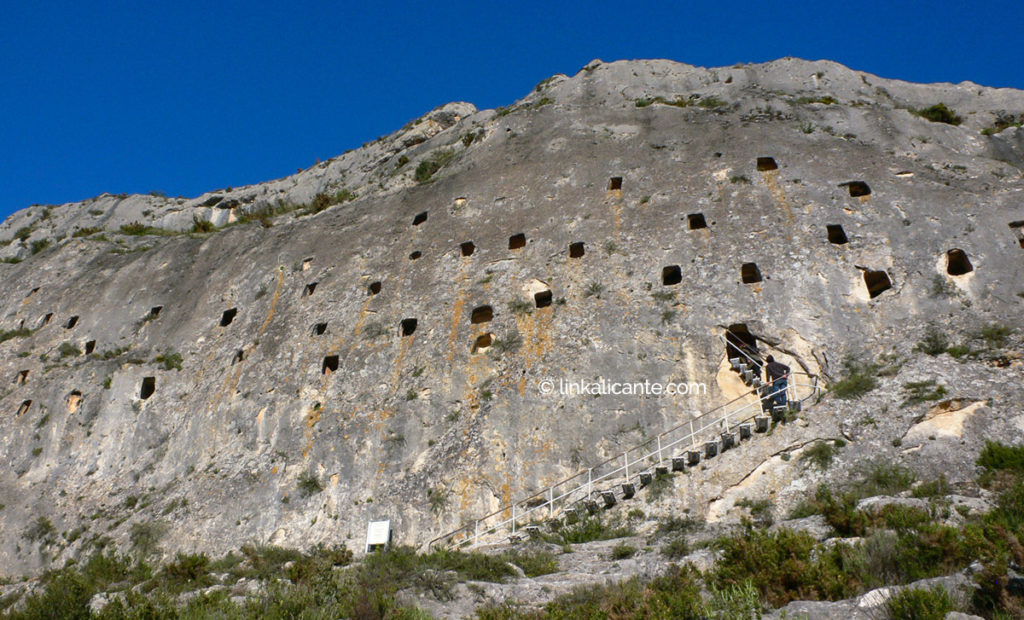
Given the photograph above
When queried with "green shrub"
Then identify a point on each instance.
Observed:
(995, 334)
(67, 349)
(739, 178)
(187, 571)
(85, 232)
(676, 548)
(820, 455)
(23, 233)
(10, 334)
(882, 478)
(520, 306)
(590, 529)
(534, 563)
(934, 342)
(858, 379)
(202, 226)
(998, 456)
(920, 604)
(760, 510)
(39, 245)
(429, 167)
(939, 113)
(309, 484)
(171, 361)
(622, 551)
(920, 391)
(145, 537)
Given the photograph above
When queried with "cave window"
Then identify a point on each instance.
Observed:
(467, 248)
(239, 356)
(374, 288)
(306, 263)
(739, 342)
(32, 292)
(330, 365)
(408, 326)
(71, 322)
(228, 316)
(857, 188)
(671, 275)
(957, 263)
(154, 312)
(765, 164)
(877, 282)
(836, 234)
(614, 184)
(22, 377)
(749, 273)
(481, 314)
(319, 329)
(415, 255)
(1018, 228)
(46, 319)
(148, 387)
(24, 407)
(74, 401)
(577, 250)
(310, 288)
(542, 299)
(90, 346)
(419, 219)
(483, 342)
(696, 221)
(517, 241)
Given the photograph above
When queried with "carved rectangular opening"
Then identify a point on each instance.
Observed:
(228, 316)
(765, 164)
(671, 275)
(957, 263)
(749, 273)
(74, 401)
(696, 221)
(857, 188)
(836, 234)
(739, 342)
(577, 249)
(483, 342)
(481, 314)
(25, 405)
(419, 219)
(307, 263)
(71, 322)
(614, 184)
(310, 289)
(148, 387)
(90, 346)
(877, 282)
(542, 299)
(467, 248)
(22, 377)
(408, 327)
(154, 312)
(319, 329)
(415, 255)
(1018, 228)
(330, 365)
(517, 241)
(374, 288)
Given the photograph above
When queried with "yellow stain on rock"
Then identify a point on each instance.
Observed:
(771, 180)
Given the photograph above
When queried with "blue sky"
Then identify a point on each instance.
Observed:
(185, 97)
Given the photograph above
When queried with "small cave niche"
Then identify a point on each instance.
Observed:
(739, 342)
(614, 184)
(749, 273)
(483, 342)
(74, 401)
(330, 365)
(481, 314)
(1018, 228)
(419, 218)
(25, 405)
(577, 249)
(90, 346)
(373, 289)
(239, 356)
(696, 221)
(764, 164)
(836, 234)
(32, 292)
(877, 282)
(71, 322)
(957, 263)
(310, 289)
(857, 188)
(415, 255)
(306, 263)
(228, 316)
(517, 241)
(407, 327)
(671, 275)
(319, 329)
(46, 319)
(542, 299)
(148, 387)
(22, 377)
(467, 248)
(155, 311)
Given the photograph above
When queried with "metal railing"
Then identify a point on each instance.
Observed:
(625, 466)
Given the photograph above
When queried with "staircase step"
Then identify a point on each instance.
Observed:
(746, 430)
(609, 498)
(679, 463)
(779, 412)
(748, 376)
(591, 506)
(710, 449)
(734, 362)
(628, 490)
(729, 440)
(692, 457)
(794, 405)
(645, 478)
(761, 423)
(661, 470)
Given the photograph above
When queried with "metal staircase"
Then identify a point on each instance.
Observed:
(619, 478)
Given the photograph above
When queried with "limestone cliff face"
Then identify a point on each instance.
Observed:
(390, 346)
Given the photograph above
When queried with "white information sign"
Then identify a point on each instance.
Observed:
(378, 533)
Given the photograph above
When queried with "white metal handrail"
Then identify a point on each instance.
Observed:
(574, 488)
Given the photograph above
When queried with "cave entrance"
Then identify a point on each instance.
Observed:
(228, 316)
(517, 241)
(25, 404)
(857, 188)
(467, 248)
(148, 387)
(836, 234)
(671, 275)
(415, 255)
(877, 282)
(615, 184)
(577, 250)
(542, 299)
(764, 164)
(74, 401)
(22, 377)
(481, 314)
(408, 326)
(749, 273)
(696, 221)
(330, 365)
(90, 346)
(71, 322)
(374, 288)
(310, 289)
(483, 342)
(957, 263)
(319, 329)
(154, 312)
(739, 342)
(419, 219)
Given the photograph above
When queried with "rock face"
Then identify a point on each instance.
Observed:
(380, 356)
